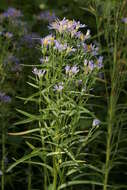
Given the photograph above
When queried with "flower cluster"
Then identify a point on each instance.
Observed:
(48, 40)
(66, 26)
(76, 67)
(59, 87)
(71, 70)
(38, 72)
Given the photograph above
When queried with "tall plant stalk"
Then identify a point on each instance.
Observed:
(3, 158)
(112, 107)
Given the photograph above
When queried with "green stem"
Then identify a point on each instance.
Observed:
(29, 177)
(3, 158)
(55, 174)
(113, 100)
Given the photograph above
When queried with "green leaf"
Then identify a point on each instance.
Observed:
(24, 132)
(24, 158)
(79, 182)
(41, 164)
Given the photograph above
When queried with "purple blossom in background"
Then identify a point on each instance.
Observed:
(47, 16)
(96, 122)
(38, 72)
(59, 87)
(94, 50)
(100, 62)
(8, 35)
(12, 12)
(14, 62)
(124, 20)
(4, 98)
(16, 67)
(31, 39)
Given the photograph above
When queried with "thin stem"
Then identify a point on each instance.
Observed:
(112, 105)
(55, 174)
(3, 158)
(29, 177)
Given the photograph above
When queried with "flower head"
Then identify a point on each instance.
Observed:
(38, 72)
(48, 40)
(8, 35)
(60, 47)
(4, 98)
(71, 70)
(65, 25)
(46, 59)
(59, 87)
(100, 62)
(91, 65)
(96, 122)
(12, 12)
(124, 20)
(47, 16)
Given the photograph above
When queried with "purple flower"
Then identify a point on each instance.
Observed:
(47, 16)
(91, 65)
(8, 35)
(96, 122)
(71, 70)
(60, 47)
(94, 50)
(100, 62)
(124, 20)
(66, 25)
(38, 72)
(59, 87)
(12, 12)
(85, 47)
(4, 98)
(67, 69)
(48, 40)
(74, 70)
